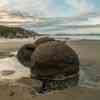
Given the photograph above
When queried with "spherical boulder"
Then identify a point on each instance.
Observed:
(54, 58)
(24, 54)
(43, 40)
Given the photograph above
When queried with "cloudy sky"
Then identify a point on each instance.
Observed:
(52, 8)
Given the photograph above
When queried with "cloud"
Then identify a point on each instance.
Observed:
(80, 6)
(80, 12)
(3, 4)
(43, 8)
(31, 7)
(47, 8)
(26, 7)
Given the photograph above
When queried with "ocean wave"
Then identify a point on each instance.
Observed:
(11, 64)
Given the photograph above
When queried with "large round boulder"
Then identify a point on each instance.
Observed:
(24, 54)
(54, 58)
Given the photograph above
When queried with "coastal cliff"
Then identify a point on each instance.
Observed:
(15, 32)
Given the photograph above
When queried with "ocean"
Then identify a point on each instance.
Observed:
(60, 29)
(63, 28)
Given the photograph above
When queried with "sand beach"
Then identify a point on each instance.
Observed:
(22, 87)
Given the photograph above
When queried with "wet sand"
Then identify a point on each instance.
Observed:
(88, 51)
(23, 89)
(89, 54)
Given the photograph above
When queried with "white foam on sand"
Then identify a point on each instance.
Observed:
(11, 64)
(84, 81)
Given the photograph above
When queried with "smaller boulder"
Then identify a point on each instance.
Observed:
(24, 54)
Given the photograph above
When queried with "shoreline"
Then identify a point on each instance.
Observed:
(89, 54)
(21, 90)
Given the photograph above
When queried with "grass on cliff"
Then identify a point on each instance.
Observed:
(10, 32)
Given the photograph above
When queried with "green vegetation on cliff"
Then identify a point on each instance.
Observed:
(15, 32)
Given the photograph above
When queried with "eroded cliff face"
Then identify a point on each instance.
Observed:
(15, 32)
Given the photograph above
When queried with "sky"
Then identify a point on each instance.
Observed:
(54, 8)
(89, 9)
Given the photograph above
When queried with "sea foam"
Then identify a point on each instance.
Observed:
(11, 64)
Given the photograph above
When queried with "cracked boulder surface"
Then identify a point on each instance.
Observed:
(53, 58)
(43, 40)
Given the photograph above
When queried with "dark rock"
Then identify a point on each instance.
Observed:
(11, 93)
(52, 62)
(24, 54)
(54, 58)
(43, 40)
